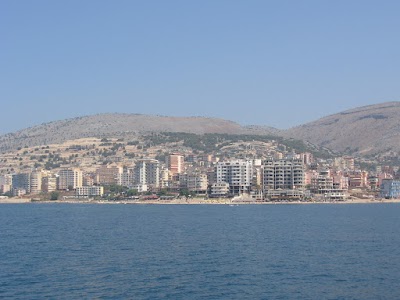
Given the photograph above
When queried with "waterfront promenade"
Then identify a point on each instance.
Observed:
(199, 201)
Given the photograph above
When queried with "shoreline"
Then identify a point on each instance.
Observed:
(197, 202)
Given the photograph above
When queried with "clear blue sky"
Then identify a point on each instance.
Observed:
(278, 63)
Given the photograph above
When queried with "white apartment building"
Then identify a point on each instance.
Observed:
(237, 173)
(126, 178)
(89, 191)
(147, 172)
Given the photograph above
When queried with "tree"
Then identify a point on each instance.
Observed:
(162, 192)
(54, 195)
(184, 192)
(131, 193)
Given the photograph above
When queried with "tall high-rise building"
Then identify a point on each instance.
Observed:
(283, 175)
(238, 174)
(6, 183)
(36, 182)
(147, 173)
(22, 181)
(70, 178)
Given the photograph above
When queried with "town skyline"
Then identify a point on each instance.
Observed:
(170, 166)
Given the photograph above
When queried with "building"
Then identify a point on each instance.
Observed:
(237, 173)
(307, 158)
(6, 183)
(147, 173)
(194, 182)
(31, 183)
(220, 189)
(88, 179)
(358, 179)
(36, 182)
(126, 178)
(373, 182)
(390, 188)
(108, 174)
(175, 163)
(323, 184)
(344, 163)
(17, 192)
(283, 177)
(164, 178)
(21, 181)
(70, 179)
(49, 184)
(89, 191)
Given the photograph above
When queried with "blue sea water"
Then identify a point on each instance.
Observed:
(68, 251)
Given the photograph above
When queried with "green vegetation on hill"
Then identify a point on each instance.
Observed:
(211, 142)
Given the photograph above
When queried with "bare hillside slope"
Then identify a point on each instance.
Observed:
(118, 126)
(365, 130)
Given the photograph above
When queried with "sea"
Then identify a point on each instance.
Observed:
(94, 251)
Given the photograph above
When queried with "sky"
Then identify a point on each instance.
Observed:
(276, 63)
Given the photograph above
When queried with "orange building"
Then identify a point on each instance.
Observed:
(175, 163)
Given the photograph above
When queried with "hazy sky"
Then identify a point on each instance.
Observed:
(277, 63)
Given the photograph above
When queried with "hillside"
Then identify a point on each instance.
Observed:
(368, 130)
(365, 130)
(119, 126)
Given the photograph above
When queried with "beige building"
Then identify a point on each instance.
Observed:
(36, 182)
(70, 178)
(126, 178)
(88, 179)
(195, 182)
(219, 189)
(6, 183)
(108, 174)
(49, 184)
(164, 178)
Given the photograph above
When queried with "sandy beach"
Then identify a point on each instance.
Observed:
(197, 201)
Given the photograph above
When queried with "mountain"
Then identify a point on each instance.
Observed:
(365, 130)
(120, 126)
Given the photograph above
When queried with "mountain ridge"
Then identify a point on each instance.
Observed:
(365, 130)
(117, 125)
